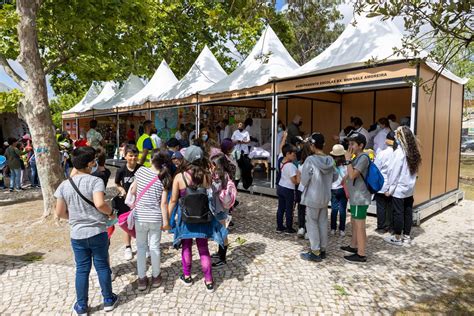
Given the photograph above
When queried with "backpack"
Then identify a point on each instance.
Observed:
(228, 194)
(195, 205)
(374, 178)
(280, 169)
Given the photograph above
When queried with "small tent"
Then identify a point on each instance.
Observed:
(130, 87)
(93, 92)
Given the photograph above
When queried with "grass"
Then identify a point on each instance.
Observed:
(340, 290)
(32, 257)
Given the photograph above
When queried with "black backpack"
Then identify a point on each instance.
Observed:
(195, 205)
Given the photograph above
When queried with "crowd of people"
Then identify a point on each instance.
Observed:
(189, 189)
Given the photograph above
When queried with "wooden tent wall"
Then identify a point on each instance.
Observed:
(438, 128)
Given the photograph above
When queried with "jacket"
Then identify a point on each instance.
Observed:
(317, 176)
(401, 183)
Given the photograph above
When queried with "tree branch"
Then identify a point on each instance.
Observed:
(10, 71)
(56, 63)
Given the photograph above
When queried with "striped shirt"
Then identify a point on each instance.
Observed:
(148, 208)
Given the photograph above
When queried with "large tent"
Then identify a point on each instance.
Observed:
(130, 87)
(93, 92)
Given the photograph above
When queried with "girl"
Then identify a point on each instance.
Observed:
(305, 153)
(338, 194)
(151, 186)
(401, 184)
(195, 174)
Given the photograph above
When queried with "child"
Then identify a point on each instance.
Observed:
(101, 171)
(177, 159)
(317, 176)
(305, 153)
(151, 188)
(359, 196)
(123, 180)
(289, 178)
(88, 227)
(338, 194)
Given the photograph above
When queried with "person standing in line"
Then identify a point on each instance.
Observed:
(302, 232)
(155, 138)
(145, 145)
(94, 138)
(317, 176)
(401, 184)
(384, 162)
(359, 196)
(392, 119)
(13, 155)
(226, 130)
(89, 239)
(338, 194)
(131, 135)
(379, 140)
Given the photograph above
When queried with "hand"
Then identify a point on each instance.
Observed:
(285, 135)
(122, 191)
(335, 137)
(113, 216)
(165, 227)
(387, 194)
(349, 153)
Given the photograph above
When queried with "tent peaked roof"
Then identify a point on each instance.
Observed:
(93, 92)
(109, 90)
(205, 72)
(268, 59)
(131, 86)
(162, 81)
(369, 39)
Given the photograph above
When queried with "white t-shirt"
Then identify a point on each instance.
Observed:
(288, 170)
(300, 186)
(177, 135)
(379, 140)
(156, 139)
(341, 173)
(241, 136)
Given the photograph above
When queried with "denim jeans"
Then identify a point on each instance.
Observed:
(338, 205)
(85, 250)
(286, 199)
(34, 175)
(15, 178)
(148, 233)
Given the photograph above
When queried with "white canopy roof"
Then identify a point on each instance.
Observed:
(205, 72)
(268, 59)
(109, 90)
(162, 81)
(4, 87)
(131, 86)
(94, 90)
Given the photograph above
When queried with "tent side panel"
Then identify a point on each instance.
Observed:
(326, 118)
(282, 108)
(394, 101)
(358, 104)
(425, 128)
(328, 96)
(452, 181)
(440, 146)
(303, 109)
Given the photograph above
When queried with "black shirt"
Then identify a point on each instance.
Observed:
(104, 175)
(125, 177)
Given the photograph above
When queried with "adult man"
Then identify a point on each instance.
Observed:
(145, 145)
(131, 135)
(13, 155)
(293, 128)
(392, 119)
(94, 138)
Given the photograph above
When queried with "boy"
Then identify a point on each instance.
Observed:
(177, 159)
(13, 155)
(123, 180)
(88, 227)
(317, 176)
(360, 197)
(289, 178)
(101, 171)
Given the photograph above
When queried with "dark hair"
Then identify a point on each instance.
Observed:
(317, 139)
(146, 124)
(248, 121)
(222, 167)
(161, 161)
(93, 124)
(132, 126)
(11, 140)
(357, 121)
(339, 160)
(392, 117)
(131, 149)
(348, 129)
(199, 170)
(306, 151)
(288, 148)
(225, 121)
(81, 156)
(100, 154)
(384, 121)
(282, 125)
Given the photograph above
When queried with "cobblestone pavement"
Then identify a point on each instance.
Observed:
(265, 275)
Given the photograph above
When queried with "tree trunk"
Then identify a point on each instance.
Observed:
(35, 107)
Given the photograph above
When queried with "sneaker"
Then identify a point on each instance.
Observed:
(342, 233)
(187, 281)
(219, 264)
(215, 255)
(80, 310)
(300, 232)
(156, 282)
(11, 190)
(406, 238)
(323, 254)
(142, 283)
(310, 256)
(333, 232)
(290, 231)
(380, 231)
(231, 224)
(394, 241)
(349, 249)
(128, 254)
(111, 303)
(280, 230)
(210, 287)
(355, 258)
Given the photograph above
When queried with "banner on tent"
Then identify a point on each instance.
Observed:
(244, 93)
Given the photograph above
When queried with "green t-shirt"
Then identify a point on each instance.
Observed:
(13, 157)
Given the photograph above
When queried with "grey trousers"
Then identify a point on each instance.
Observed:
(317, 227)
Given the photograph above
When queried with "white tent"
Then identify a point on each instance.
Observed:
(131, 86)
(109, 90)
(268, 59)
(205, 72)
(93, 92)
(4, 87)
(162, 81)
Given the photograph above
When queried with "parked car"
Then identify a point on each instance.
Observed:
(467, 146)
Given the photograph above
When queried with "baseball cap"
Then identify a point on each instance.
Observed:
(177, 155)
(358, 138)
(227, 144)
(172, 142)
(193, 153)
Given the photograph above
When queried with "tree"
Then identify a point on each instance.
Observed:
(9, 101)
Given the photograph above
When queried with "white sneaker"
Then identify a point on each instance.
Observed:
(127, 254)
(147, 254)
(306, 236)
(300, 232)
(393, 240)
(333, 232)
(406, 238)
(342, 233)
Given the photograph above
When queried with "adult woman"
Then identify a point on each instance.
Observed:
(383, 130)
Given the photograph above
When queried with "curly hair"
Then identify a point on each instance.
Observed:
(410, 146)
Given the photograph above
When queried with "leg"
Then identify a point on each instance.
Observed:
(18, 179)
(342, 209)
(354, 241)
(155, 252)
(100, 252)
(83, 258)
(142, 231)
(398, 206)
(361, 237)
(380, 200)
(289, 205)
(407, 215)
(12, 179)
(206, 263)
(187, 256)
(323, 228)
(334, 209)
(127, 239)
(389, 214)
(312, 227)
(281, 208)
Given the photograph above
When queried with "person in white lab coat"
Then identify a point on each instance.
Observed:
(382, 130)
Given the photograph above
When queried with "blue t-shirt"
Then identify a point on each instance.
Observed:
(147, 144)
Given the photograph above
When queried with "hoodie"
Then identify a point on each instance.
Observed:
(317, 177)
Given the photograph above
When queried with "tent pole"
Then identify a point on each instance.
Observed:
(198, 116)
(414, 93)
(275, 146)
(118, 132)
(77, 128)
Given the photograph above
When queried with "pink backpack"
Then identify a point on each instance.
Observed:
(228, 194)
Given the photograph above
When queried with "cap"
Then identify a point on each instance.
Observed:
(177, 155)
(317, 139)
(338, 150)
(227, 145)
(391, 135)
(172, 142)
(358, 138)
(193, 153)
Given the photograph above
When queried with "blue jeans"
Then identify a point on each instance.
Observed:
(34, 175)
(338, 205)
(286, 200)
(15, 178)
(97, 248)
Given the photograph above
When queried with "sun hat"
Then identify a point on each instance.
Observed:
(193, 153)
(338, 150)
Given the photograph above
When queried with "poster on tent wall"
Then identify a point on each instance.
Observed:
(166, 122)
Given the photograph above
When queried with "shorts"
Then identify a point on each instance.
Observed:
(359, 211)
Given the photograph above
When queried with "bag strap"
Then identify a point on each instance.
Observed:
(142, 193)
(74, 186)
(184, 179)
(368, 166)
(281, 169)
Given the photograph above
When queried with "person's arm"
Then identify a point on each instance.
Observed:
(296, 178)
(118, 183)
(283, 140)
(306, 174)
(352, 173)
(394, 175)
(61, 209)
(100, 204)
(164, 210)
(174, 195)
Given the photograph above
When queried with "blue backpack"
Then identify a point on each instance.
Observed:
(374, 178)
